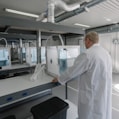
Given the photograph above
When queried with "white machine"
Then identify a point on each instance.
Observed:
(5, 58)
(43, 55)
(58, 58)
(31, 55)
(22, 54)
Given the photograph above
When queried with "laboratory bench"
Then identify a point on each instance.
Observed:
(20, 89)
(15, 70)
(20, 93)
(24, 111)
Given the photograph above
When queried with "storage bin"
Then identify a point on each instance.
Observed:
(10, 117)
(53, 108)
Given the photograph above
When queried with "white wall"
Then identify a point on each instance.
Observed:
(110, 41)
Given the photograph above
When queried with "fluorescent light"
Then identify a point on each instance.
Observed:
(83, 25)
(115, 22)
(21, 13)
(107, 19)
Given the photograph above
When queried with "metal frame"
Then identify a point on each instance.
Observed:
(34, 25)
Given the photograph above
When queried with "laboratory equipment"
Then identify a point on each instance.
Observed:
(59, 58)
(38, 73)
(5, 59)
(24, 53)
(43, 55)
(21, 54)
(15, 55)
(31, 55)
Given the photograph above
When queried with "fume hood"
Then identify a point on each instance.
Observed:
(5, 61)
(59, 58)
(31, 55)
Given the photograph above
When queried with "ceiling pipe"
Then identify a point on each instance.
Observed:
(86, 3)
(51, 9)
(61, 4)
(52, 4)
(42, 16)
(50, 37)
(105, 29)
(64, 6)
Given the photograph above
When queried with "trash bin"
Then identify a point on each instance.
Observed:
(10, 117)
(53, 108)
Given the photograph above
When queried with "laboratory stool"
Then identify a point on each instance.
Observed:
(10, 117)
(53, 108)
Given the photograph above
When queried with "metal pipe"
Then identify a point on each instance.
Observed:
(51, 8)
(61, 4)
(21, 56)
(67, 15)
(60, 37)
(64, 6)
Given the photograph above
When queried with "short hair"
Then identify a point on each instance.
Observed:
(92, 36)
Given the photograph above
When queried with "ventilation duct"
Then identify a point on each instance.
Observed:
(61, 4)
(84, 4)
(64, 6)
(82, 1)
(51, 8)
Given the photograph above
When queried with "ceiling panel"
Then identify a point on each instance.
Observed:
(101, 14)
(33, 6)
(109, 9)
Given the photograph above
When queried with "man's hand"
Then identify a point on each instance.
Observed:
(55, 80)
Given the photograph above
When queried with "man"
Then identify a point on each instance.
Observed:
(94, 71)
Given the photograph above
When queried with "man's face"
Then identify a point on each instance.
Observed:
(86, 41)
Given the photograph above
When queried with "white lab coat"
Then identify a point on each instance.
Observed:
(94, 71)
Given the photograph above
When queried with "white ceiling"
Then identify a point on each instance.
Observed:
(94, 18)
(97, 15)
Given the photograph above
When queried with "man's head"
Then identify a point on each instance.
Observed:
(91, 38)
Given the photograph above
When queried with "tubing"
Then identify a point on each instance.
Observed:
(4, 40)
